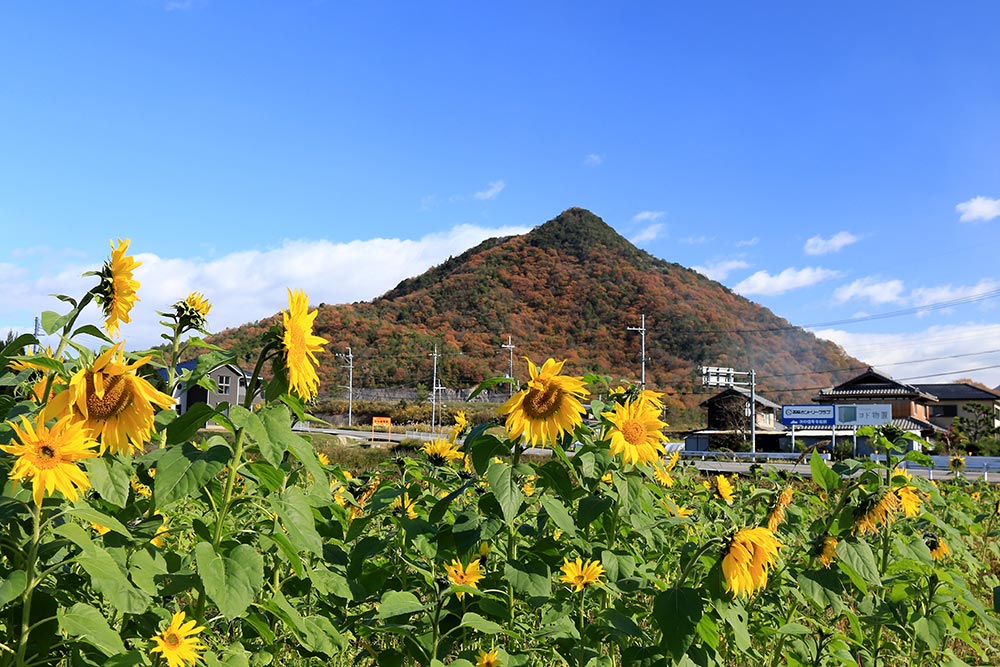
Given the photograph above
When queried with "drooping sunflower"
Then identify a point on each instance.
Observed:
(724, 488)
(116, 292)
(405, 505)
(178, 644)
(749, 556)
(578, 573)
(301, 345)
(909, 497)
(777, 514)
(488, 658)
(461, 423)
(464, 575)
(47, 457)
(113, 401)
(441, 452)
(824, 547)
(875, 511)
(937, 545)
(675, 456)
(662, 475)
(547, 407)
(637, 432)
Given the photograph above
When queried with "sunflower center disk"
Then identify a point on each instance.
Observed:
(46, 452)
(117, 397)
(172, 640)
(634, 432)
(542, 403)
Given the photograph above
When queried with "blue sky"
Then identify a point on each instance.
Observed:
(829, 161)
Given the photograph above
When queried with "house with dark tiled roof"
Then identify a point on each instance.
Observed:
(954, 399)
(228, 384)
(911, 405)
(728, 420)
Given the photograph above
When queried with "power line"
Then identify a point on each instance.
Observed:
(894, 363)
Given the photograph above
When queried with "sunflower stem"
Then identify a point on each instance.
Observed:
(583, 654)
(694, 559)
(33, 581)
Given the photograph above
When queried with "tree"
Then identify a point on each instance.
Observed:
(978, 430)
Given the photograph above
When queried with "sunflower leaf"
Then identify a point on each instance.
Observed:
(231, 580)
(183, 470)
(83, 621)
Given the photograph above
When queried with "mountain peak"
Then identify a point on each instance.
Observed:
(579, 231)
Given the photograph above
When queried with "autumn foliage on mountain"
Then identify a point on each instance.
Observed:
(569, 289)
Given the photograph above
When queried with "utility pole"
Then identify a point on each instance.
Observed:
(350, 383)
(712, 376)
(642, 332)
(509, 346)
(434, 389)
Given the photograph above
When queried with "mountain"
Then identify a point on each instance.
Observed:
(568, 289)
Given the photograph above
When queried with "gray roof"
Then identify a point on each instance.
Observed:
(872, 384)
(744, 392)
(959, 391)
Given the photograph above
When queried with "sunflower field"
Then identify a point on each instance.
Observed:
(131, 535)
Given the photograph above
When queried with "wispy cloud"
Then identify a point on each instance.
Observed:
(979, 209)
(764, 283)
(648, 216)
(178, 5)
(817, 245)
(721, 269)
(747, 242)
(935, 354)
(923, 296)
(871, 289)
(649, 233)
(494, 189)
(592, 160)
(246, 286)
(696, 240)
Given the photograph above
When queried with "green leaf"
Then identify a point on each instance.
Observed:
(477, 622)
(253, 426)
(529, 577)
(183, 470)
(592, 507)
(110, 477)
(296, 516)
(824, 588)
(677, 612)
(559, 515)
(83, 621)
(88, 513)
(91, 330)
(736, 617)
(186, 426)
(53, 321)
(506, 490)
(793, 629)
(278, 423)
(932, 630)
(399, 603)
(12, 587)
(231, 580)
(106, 576)
(856, 559)
(826, 478)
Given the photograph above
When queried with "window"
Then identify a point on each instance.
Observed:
(944, 411)
(224, 384)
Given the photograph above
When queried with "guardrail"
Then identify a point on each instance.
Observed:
(747, 456)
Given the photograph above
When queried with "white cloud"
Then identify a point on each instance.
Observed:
(648, 216)
(696, 240)
(720, 270)
(764, 283)
(494, 189)
(870, 288)
(923, 296)
(979, 209)
(650, 233)
(593, 160)
(747, 242)
(936, 354)
(246, 286)
(817, 245)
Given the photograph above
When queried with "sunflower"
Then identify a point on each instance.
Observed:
(579, 573)
(113, 402)
(956, 464)
(488, 659)
(777, 514)
(191, 312)
(547, 407)
(909, 499)
(461, 575)
(638, 432)
(117, 291)
(441, 452)
(749, 556)
(675, 509)
(824, 547)
(528, 488)
(48, 456)
(724, 488)
(672, 461)
(323, 459)
(177, 644)
(875, 511)
(937, 545)
(301, 345)
(662, 475)
(405, 505)
(461, 423)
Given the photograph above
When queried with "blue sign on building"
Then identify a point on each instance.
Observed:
(808, 415)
